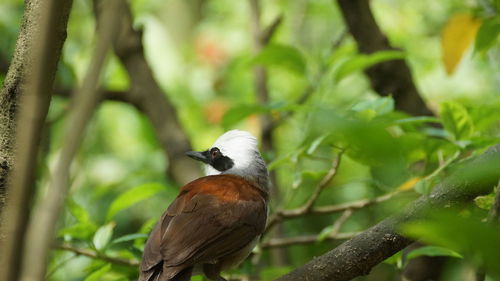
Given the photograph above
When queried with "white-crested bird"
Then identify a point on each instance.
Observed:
(216, 220)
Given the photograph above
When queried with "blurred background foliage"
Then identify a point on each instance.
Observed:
(202, 56)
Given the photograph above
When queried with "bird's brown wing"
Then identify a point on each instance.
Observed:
(201, 229)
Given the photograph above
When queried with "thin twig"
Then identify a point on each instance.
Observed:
(96, 255)
(294, 213)
(354, 205)
(340, 221)
(323, 183)
(306, 239)
(268, 33)
(307, 207)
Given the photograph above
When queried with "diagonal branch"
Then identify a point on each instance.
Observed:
(148, 97)
(323, 183)
(307, 207)
(261, 37)
(387, 78)
(95, 255)
(358, 255)
(305, 239)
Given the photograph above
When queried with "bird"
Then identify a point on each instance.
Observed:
(216, 220)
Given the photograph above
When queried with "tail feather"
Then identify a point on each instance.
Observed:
(157, 274)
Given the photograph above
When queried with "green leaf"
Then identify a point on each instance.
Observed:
(368, 109)
(132, 197)
(98, 274)
(129, 237)
(432, 251)
(80, 214)
(103, 235)
(81, 231)
(84, 228)
(362, 61)
(477, 241)
(325, 232)
(240, 112)
(488, 34)
(272, 273)
(417, 120)
(316, 143)
(485, 202)
(284, 56)
(456, 120)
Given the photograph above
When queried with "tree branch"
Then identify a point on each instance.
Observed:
(358, 255)
(148, 97)
(95, 255)
(29, 81)
(261, 37)
(306, 239)
(323, 183)
(387, 78)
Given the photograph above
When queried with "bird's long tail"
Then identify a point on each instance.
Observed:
(156, 274)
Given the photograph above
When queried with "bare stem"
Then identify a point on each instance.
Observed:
(95, 255)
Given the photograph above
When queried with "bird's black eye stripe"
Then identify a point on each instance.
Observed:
(219, 161)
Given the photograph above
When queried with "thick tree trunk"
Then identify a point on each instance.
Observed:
(28, 86)
(15, 80)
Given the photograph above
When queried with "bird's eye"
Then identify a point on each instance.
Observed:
(215, 152)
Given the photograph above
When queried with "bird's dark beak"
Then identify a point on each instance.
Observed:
(203, 156)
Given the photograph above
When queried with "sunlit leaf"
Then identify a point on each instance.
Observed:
(456, 120)
(129, 237)
(409, 184)
(283, 56)
(325, 232)
(362, 61)
(417, 120)
(457, 35)
(273, 272)
(488, 34)
(240, 112)
(84, 228)
(368, 109)
(315, 144)
(103, 235)
(98, 274)
(485, 202)
(133, 196)
(78, 211)
(396, 259)
(432, 251)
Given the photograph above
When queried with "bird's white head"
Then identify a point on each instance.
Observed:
(236, 153)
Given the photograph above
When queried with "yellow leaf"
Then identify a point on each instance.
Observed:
(457, 35)
(409, 184)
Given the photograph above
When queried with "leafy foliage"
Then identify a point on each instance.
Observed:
(320, 103)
